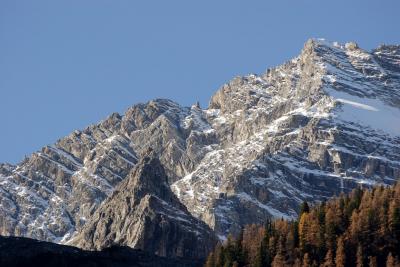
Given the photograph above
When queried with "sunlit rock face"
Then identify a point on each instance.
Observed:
(144, 213)
(320, 124)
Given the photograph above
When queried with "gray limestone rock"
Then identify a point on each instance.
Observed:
(143, 213)
(320, 124)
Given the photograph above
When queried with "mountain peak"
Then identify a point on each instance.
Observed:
(318, 125)
(141, 213)
(148, 176)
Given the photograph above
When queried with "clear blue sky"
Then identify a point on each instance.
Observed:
(67, 64)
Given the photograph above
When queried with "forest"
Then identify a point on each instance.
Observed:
(361, 228)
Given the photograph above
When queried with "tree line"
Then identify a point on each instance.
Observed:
(358, 229)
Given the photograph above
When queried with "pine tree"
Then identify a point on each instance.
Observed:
(321, 242)
(306, 261)
(262, 259)
(340, 259)
(210, 260)
(278, 261)
(303, 232)
(328, 261)
(252, 238)
(360, 258)
(295, 231)
(292, 241)
(297, 263)
(391, 261)
(239, 254)
(394, 221)
(229, 258)
(330, 228)
(372, 261)
(368, 235)
(219, 256)
(304, 208)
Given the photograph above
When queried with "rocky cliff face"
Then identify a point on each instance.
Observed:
(144, 213)
(320, 124)
(323, 122)
(54, 191)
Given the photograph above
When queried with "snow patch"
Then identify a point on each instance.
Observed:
(367, 111)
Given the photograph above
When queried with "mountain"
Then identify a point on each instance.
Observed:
(320, 124)
(144, 213)
(22, 252)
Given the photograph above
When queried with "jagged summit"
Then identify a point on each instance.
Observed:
(322, 123)
(144, 213)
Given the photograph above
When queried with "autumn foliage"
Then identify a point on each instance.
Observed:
(358, 229)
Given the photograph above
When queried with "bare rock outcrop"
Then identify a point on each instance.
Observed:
(144, 213)
(318, 125)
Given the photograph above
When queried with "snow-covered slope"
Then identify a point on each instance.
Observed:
(323, 122)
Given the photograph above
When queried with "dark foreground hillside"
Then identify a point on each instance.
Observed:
(359, 229)
(22, 252)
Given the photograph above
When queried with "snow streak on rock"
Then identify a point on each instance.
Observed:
(322, 123)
